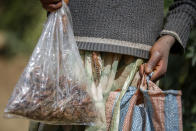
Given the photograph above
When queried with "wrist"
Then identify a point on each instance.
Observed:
(168, 40)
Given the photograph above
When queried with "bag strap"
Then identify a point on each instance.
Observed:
(116, 113)
(148, 77)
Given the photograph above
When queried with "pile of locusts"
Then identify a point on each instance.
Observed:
(53, 103)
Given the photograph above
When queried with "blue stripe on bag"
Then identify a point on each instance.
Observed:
(138, 119)
(171, 111)
(124, 105)
(149, 109)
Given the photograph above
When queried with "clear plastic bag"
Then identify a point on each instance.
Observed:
(53, 87)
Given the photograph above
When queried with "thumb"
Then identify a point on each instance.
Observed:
(66, 1)
(151, 64)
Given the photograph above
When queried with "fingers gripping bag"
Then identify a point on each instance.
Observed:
(53, 88)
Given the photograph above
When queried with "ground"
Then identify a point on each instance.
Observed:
(10, 71)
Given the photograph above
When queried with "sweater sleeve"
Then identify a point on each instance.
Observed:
(179, 21)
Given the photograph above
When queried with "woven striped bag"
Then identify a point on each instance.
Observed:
(146, 108)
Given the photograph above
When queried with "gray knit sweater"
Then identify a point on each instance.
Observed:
(130, 26)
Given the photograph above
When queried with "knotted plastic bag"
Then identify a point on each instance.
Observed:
(53, 87)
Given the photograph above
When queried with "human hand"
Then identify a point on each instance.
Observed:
(52, 5)
(158, 58)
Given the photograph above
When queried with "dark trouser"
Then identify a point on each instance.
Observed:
(37, 126)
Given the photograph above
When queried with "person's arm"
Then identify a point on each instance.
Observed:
(52, 5)
(179, 22)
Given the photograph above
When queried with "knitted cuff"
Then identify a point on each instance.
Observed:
(179, 26)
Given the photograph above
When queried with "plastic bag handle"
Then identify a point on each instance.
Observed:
(148, 77)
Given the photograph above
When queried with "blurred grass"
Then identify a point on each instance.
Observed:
(22, 25)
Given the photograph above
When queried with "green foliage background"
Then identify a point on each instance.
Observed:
(21, 24)
(181, 75)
